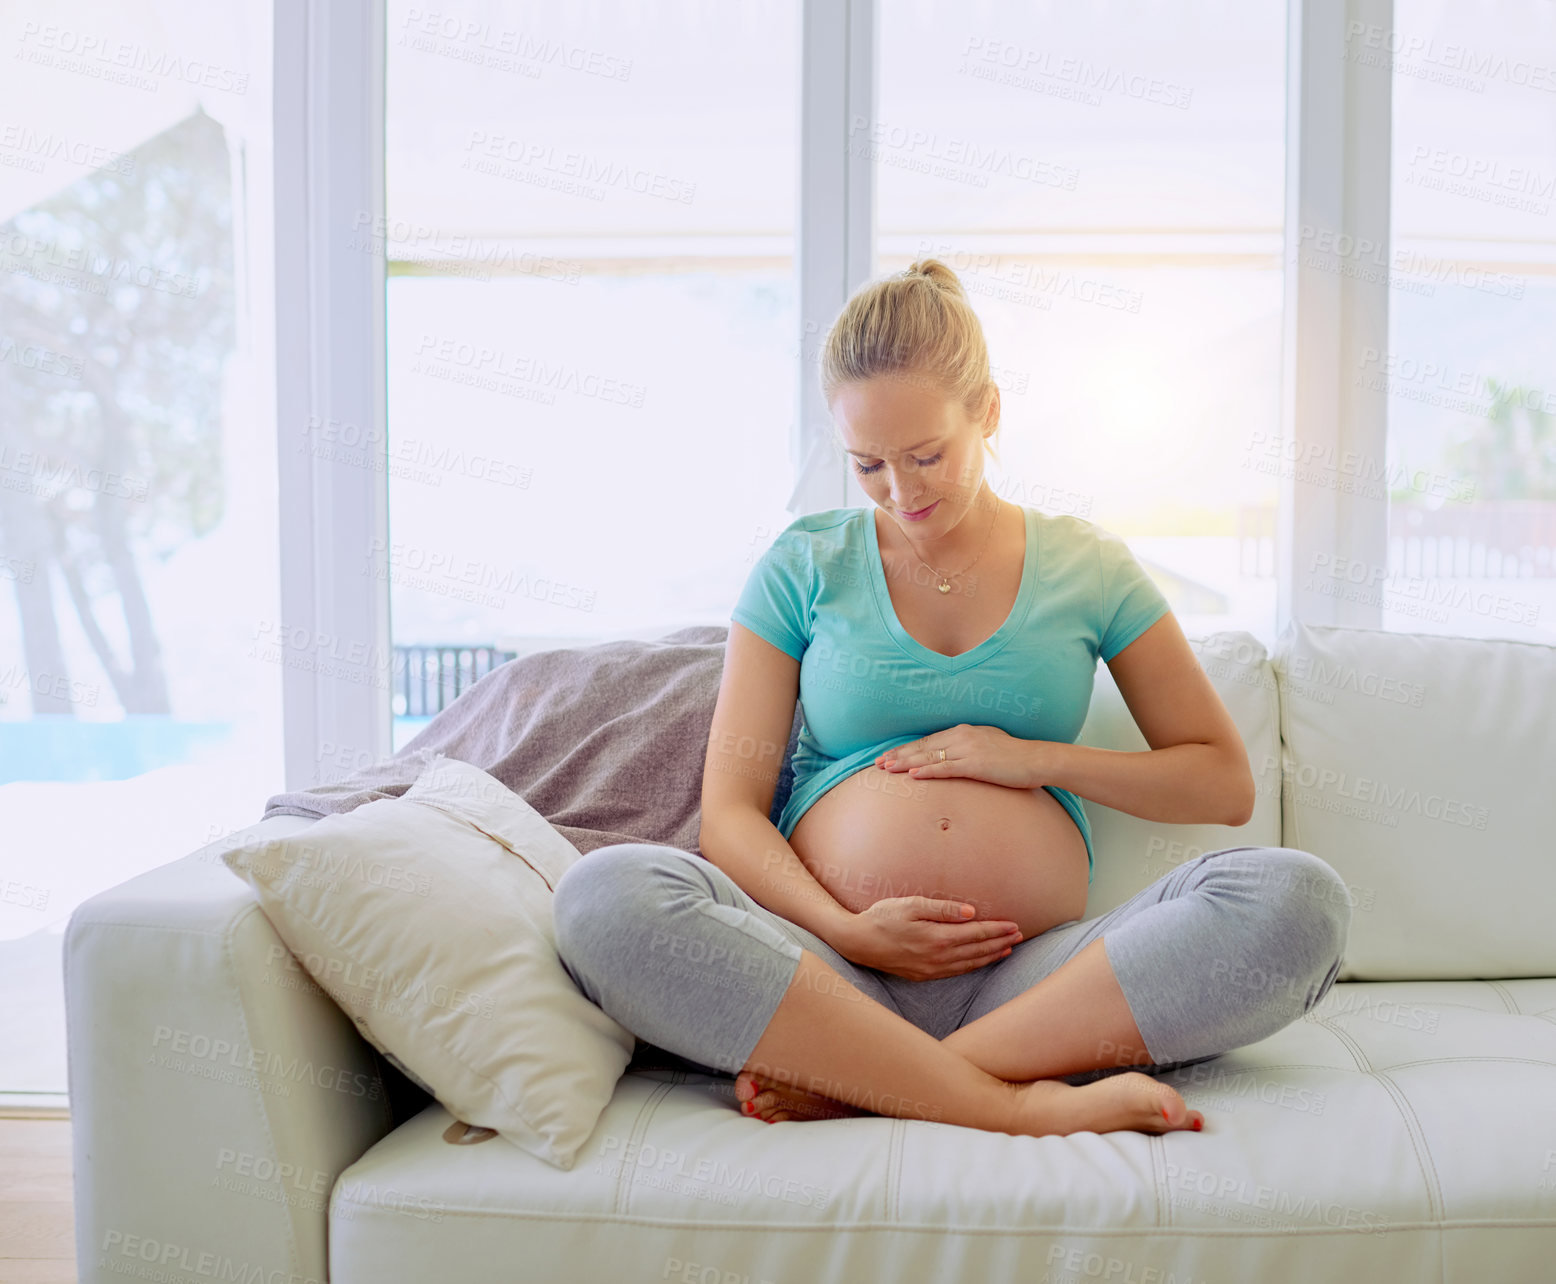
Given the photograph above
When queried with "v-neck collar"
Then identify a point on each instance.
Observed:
(990, 644)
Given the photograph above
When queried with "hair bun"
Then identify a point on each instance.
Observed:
(936, 271)
(892, 325)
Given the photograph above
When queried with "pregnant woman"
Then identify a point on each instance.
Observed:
(908, 938)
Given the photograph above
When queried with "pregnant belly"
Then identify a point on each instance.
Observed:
(1010, 853)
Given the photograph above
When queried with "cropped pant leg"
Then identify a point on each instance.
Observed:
(672, 948)
(1221, 952)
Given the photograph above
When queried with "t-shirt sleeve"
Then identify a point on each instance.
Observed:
(1131, 602)
(775, 602)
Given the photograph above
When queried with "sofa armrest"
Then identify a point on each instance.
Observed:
(215, 1092)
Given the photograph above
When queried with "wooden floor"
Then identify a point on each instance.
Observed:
(37, 1226)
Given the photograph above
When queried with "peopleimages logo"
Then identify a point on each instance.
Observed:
(1348, 678)
(645, 1159)
(238, 1063)
(956, 157)
(186, 1259)
(74, 50)
(57, 263)
(1025, 67)
(1326, 783)
(1227, 1190)
(1446, 62)
(882, 675)
(1082, 1264)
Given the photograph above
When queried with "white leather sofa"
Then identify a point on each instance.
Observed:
(230, 1124)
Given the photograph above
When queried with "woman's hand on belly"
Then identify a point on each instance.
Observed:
(972, 753)
(1015, 855)
(922, 939)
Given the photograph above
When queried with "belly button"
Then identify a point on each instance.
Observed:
(945, 822)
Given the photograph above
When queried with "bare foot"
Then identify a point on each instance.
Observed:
(1041, 1108)
(1129, 1101)
(771, 1100)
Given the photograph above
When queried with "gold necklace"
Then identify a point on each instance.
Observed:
(945, 583)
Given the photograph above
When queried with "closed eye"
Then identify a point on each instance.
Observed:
(922, 463)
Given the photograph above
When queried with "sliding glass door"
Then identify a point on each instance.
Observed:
(589, 229)
(140, 711)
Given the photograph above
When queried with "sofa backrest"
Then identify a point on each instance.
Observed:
(1423, 769)
(1132, 853)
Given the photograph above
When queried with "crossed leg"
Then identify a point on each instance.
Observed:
(1223, 951)
(1220, 952)
(681, 956)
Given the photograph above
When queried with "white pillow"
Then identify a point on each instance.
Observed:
(428, 919)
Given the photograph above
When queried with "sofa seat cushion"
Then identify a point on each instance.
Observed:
(1402, 1130)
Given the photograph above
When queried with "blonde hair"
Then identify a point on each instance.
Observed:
(912, 323)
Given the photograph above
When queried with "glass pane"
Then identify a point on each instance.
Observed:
(1107, 180)
(1470, 370)
(592, 319)
(137, 467)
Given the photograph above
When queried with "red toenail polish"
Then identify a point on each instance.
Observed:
(1164, 1114)
(746, 1107)
(1198, 1124)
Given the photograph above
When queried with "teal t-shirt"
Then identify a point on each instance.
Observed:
(819, 594)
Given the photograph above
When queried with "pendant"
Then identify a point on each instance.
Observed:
(945, 586)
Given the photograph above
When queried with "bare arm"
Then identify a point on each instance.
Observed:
(749, 733)
(1196, 770)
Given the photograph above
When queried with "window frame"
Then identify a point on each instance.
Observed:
(331, 324)
(1338, 182)
(331, 336)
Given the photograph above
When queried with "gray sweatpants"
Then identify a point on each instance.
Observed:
(1222, 951)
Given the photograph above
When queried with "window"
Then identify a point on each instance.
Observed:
(139, 714)
(1107, 181)
(1468, 369)
(590, 234)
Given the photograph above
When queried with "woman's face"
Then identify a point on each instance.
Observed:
(911, 447)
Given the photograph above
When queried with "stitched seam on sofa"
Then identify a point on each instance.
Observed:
(896, 1141)
(1317, 1015)
(164, 927)
(1434, 1189)
(1421, 1003)
(644, 1117)
(1433, 1061)
(1412, 1124)
(1363, 1066)
(1284, 1065)
(1524, 982)
(1503, 993)
(1287, 752)
(622, 1202)
(1156, 1148)
(292, 1253)
(940, 1229)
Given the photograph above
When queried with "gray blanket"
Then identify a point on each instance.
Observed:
(606, 741)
